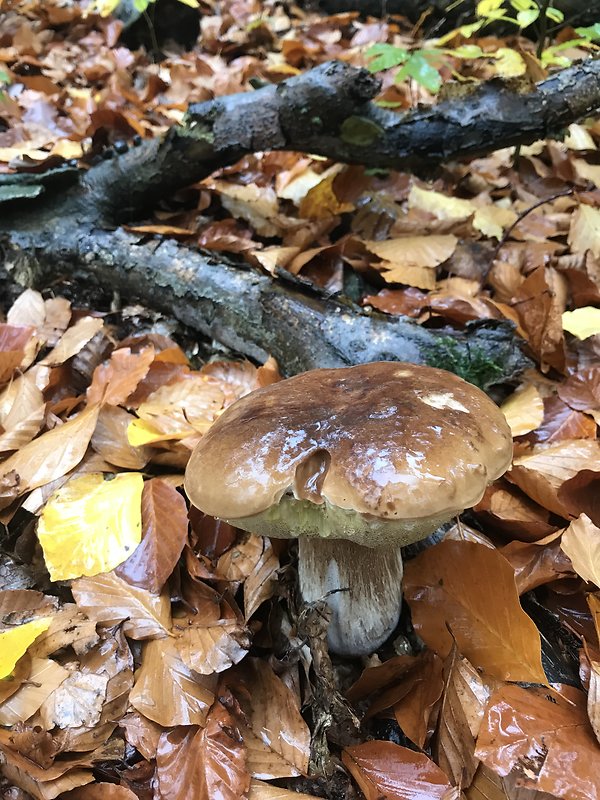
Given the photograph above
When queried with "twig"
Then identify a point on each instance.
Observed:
(521, 217)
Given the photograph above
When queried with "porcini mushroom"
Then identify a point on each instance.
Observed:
(356, 462)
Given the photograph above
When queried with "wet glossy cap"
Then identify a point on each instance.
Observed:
(396, 448)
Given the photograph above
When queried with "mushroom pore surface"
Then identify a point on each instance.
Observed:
(380, 453)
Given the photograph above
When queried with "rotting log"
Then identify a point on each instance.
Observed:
(73, 233)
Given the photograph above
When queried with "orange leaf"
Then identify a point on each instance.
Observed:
(545, 737)
(386, 771)
(112, 383)
(471, 590)
(164, 533)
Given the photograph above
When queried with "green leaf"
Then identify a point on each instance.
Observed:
(386, 56)
(466, 51)
(418, 68)
(591, 34)
(142, 5)
(486, 7)
(524, 5)
(526, 18)
(555, 14)
(360, 131)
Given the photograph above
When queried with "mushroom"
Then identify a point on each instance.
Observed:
(356, 462)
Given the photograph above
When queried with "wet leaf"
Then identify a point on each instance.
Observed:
(44, 677)
(203, 763)
(276, 736)
(414, 711)
(109, 599)
(537, 563)
(479, 603)
(524, 410)
(167, 691)
(164, 534)
(386, 771)
(582, 390)
(14, 642)
(582, 322)
(581, 494)
(110, 439)
(91, 524)
(544, 737)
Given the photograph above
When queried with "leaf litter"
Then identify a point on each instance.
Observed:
(169, 653)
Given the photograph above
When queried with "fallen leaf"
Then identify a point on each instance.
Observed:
(45, 676)
(14, 642)
(167, 691)
(50, 456)
(562, 422)
(110, 439)
(415, 711)
(463, 705)
(386, 771)
(91, 525)
(581, 391)
(210, 647)
(491, 220)
(440, 205)
(73, 340)
(583, 322)
(414, 251)
(581, 543)
(524, 410)
(206, 763)
(506, 509)
(584, 232)
(109, 599)
(541, 473)
(164, 534)
(77, 702)
(537, 563)
(113, 382)
(544, 737)
(265, 791)
(260, 585)
(280, 744)
(101, 791)
(581, 494)
(479, 603)
(13, 341)
(539, 309)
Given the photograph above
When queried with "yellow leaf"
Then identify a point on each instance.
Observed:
(409, 274)
(15, 642)
(491, 220)
(440, 205)
(524, 410)
(140, 432)
(509, 63)
(582, 322)
(584, 232)
(91, 525)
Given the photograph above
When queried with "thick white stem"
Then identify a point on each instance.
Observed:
(364, 616)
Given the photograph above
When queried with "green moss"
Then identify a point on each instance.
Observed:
(473, 364)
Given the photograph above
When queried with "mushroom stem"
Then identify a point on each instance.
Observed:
(364, 615)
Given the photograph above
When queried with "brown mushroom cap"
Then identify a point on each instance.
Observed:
(399, 447)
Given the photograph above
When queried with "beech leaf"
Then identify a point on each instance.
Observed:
(14, 642)
(479, 603)
(581, 542)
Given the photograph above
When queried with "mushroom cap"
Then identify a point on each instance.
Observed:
(396, 446)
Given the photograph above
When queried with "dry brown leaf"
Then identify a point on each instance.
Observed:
(114, 381)
(167, 691)
(277, 738)
(440, 205)
(463, 705)
(109, 599)
(593, 697)
(479, 603)
(28, 309)
(45, 676)
(164, 534)
(24, 415)
(414, 251)
(203, 763)
(321, 201)
(581, 543)
(541, 473)
(409, 274)
(260, 585)
(544, 738)
(581, 391)
(210, 647)
(73, 340)
(540, 314)
(386, 771)
(110, 440)
(14, 340)
(258, 205)
(50, 456)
